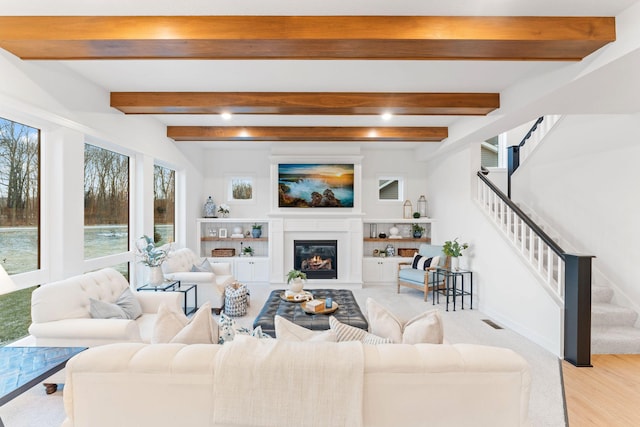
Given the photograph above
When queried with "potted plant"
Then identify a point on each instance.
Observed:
(256, 230)
(224, 210)
(248, 251)
(152, 257)
(453, 249)
(417, 230)
(294, 279)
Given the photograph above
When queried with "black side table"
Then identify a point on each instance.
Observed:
(451, 289)
(176, 286)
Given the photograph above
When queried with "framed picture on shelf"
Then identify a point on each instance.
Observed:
(240, 188)
(222, 233)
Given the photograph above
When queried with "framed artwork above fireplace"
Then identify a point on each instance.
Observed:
(316, 185)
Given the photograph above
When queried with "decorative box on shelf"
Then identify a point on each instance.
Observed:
(407, 252)
(223, 252)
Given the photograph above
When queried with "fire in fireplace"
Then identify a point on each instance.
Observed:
(317, 258)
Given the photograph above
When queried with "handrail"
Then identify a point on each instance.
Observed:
(536, 229)
(531, 131)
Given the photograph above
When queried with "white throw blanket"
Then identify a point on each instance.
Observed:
(272, 383)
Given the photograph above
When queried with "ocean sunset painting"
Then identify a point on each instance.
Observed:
(315, 185)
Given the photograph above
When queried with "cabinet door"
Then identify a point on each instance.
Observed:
(389, 271)
(261, 270)
(371, 270)
(252, 269)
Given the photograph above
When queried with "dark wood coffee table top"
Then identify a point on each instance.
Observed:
(349, 311)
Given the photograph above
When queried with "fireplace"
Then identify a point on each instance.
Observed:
(317, 258)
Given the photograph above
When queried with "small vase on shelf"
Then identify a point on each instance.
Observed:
(209, 209)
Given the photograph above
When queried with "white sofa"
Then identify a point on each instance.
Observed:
(211, 284)
(60, 311)
(398, 385)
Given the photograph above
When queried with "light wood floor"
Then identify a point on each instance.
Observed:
(608, 394)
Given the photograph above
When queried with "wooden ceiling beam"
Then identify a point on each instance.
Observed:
(305, 37)
(306, 133)
(301, 103)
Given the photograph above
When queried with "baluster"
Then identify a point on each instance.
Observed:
(560, 285)
(549, 265)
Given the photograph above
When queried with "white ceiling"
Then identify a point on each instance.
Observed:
(336, 75)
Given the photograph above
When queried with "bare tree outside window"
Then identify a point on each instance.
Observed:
(164, 204)
(19, 197)
(106, 202)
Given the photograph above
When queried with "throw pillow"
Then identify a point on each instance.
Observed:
(228, 329)
(420, 262)
(423, 328)
(346, 332)
(105, 310)
(204, 266)
(129, 304)
(289, 331)
(168, 323)
(200, 329)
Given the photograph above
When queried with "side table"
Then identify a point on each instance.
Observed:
(451, 289)
(176, 286)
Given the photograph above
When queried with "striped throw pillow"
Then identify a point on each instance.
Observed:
(346, 332)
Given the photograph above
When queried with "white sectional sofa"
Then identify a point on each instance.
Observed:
(179, 265)
(394, 385)
(60, 311)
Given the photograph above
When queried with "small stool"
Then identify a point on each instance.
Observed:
(236, 299)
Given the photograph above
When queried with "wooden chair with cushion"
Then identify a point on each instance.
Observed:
(421, 272)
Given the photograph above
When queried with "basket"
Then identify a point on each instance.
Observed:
(223, 252)
(235, 299)
(407, 252)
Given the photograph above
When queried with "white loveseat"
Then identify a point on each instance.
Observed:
(395, 385)
(179, 265)
(60, 311)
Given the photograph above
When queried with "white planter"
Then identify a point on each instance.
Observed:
(296, 285)
(455, 263)
(156, 277)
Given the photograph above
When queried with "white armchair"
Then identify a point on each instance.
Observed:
(180, 264)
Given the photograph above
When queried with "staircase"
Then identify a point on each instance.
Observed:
(612, 326)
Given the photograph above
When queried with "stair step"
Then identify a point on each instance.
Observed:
(604, 314)
(615, 340)
(601, 293)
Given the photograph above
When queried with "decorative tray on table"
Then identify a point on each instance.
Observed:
(334, 307)
(300, 297)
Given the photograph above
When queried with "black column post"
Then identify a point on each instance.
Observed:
(513, 161)
(577, 310)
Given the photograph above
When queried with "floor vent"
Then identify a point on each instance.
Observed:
(491, 323)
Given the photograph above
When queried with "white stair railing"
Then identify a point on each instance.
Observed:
(542, 254)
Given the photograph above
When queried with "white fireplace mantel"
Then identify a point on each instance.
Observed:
(346, 229)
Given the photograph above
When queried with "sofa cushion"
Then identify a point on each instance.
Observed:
(421, 262)
(289, 331)
(346, 332)
(228, 329)
(199, 330)
(414, 275)
(423, 328)
(105, 310)
(204, 266)
(173, 326)
(129, 304)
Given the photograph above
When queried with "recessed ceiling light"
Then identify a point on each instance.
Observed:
(386, 116)
(225, 116)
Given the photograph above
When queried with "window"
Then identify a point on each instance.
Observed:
(164, 204)
(390, 188)
(19, 197)
(106, 202)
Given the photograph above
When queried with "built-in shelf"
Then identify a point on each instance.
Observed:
(234, 239)
(404, 240)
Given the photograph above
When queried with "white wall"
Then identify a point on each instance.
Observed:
(70, 111)
(506, 290)
(583, 181)
(219, 164)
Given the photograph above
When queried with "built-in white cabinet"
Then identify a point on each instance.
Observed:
(377, 270)
(397, 234)
(219, 237)
(252, 269)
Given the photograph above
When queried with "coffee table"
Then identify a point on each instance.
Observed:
(23, 367)
(349, 311)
